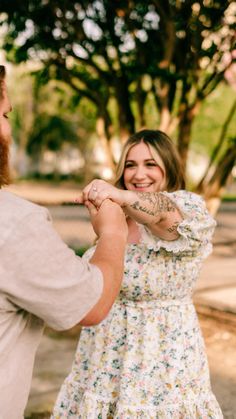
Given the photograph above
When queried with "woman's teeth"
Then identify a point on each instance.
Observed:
(142, 185)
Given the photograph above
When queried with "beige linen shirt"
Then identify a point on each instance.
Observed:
(41, 281)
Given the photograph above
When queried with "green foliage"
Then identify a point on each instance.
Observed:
(81, 251)
(39, 415)
(54, 177)
(229, 198)
(100, 48)
(49, 133)
(47, 116)
(106, 50)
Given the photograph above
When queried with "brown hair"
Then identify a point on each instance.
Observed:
(158, 142)
(4, 146)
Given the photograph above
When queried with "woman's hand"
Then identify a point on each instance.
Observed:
(98, 190)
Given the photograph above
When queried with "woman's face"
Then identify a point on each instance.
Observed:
(142, 173)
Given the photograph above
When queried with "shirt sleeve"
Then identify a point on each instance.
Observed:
(195, 230)
(89, 253)
(45, 277)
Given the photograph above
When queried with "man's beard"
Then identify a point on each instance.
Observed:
(5, 177)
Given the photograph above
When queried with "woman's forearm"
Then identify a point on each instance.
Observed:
(154, 209)
(147, 207)
(158, 212)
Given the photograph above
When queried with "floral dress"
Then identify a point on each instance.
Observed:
(147, 359)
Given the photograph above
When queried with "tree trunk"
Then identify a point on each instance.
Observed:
(141, 97)
(215, 187)
(165, 120)
(216, 150)
(104, 140)
(125, 115)
(184, 135)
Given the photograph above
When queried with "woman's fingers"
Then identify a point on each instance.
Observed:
(98, 190)
(86, 191)
(94, 192)
(99, 197)
(79, 199)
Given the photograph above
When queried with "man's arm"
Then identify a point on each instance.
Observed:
(110, 225)
(48, 280)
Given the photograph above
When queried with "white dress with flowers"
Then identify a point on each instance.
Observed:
(147, 359)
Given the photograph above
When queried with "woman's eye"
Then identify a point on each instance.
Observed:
(128, 165)
(151, 164)
(5, 116)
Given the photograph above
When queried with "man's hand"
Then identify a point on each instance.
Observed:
(98, 191)
(110, 225)
(108, 219)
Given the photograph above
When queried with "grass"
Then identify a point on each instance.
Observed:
(39, 415)
(213, 113)
(81, 250)
(229, 198)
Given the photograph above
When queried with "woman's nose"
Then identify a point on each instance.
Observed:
(140, 172)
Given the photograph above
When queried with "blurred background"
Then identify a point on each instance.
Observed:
(83, 76)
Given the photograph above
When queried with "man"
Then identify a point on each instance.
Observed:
(42, 280)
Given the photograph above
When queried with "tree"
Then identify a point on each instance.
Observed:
(127, 51)
(220, 165)
(22, 117)
(216, 152)
(45, 118)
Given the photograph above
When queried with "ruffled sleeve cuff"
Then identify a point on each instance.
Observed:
(195, 230)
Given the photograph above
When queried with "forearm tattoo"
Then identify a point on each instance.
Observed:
(173, 228)
(157, 203)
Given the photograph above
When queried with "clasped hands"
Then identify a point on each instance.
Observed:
(98, 191)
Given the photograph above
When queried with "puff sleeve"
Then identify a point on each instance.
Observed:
(195, 230)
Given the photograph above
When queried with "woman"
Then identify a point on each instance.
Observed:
(147, 358)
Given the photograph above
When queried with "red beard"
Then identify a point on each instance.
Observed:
(5, 177)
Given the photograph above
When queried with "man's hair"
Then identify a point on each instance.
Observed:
(4, 142)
